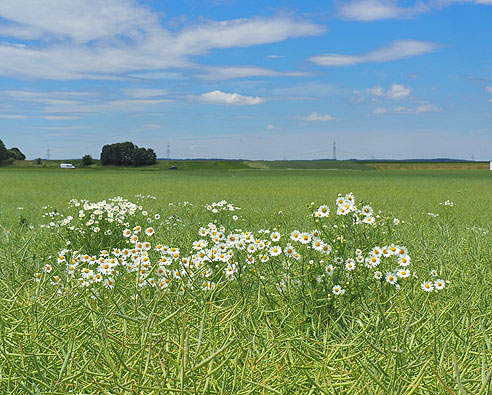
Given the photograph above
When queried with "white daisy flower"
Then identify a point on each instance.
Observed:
(149, 231)
(338, 290)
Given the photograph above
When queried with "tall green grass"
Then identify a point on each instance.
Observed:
(144, 342)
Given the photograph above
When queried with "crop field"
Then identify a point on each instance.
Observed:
(257, 281)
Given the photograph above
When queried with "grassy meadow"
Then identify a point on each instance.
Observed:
(278, 326)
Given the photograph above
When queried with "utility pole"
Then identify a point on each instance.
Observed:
(334, 150)
(168, 151)
(48, 153)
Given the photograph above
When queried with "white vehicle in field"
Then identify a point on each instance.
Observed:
(66, 166)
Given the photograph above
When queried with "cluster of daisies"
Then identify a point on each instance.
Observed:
(219, 257)
(217, 207)
(105, 216)
(435, 285)
(374, 261)
(361, 213)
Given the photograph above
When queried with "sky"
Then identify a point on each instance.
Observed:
(235, 79)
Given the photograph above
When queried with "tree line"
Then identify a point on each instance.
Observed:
(117, 154)
(11, 154)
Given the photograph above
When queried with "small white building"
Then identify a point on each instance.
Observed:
(66, 166)
(491, 165)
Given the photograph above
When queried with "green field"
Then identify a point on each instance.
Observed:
(188, 165)
(250, 335)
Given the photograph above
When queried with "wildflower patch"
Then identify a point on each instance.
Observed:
(117, 243)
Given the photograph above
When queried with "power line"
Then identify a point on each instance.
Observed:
(48, 153)
(334, 150)
(168, 152)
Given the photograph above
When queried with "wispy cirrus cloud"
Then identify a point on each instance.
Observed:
(315, 117)
(373, 10)
(231, 72)
(69, 127)
(229, 99)
(145, 93)
(380, 111)
(420, 108)
(69, 105)
(60, 117)
(109, 39)
(14, 116)
(400, 49)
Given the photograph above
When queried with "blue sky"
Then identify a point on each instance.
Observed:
(246, 79)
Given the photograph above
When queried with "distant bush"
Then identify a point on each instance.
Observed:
(87, 160)
(127, 154)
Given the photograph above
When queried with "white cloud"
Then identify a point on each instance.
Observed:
(243, 32)
(398, 91)
(163, 75)
(376, 91)
(56, 104)
(106, 39)
(357, 99)
(58, 134)
(60, 117)
(13, 116)
(137, 102)
(373, 10)
(314, 116)
(427, 107)
(230, 72)
(230, 99)
(380, 111)
(396, 50)
(275, 56)
(151, 126)
(306, 90)
(423, 107)
(270, 127)
(488, 89)
(63, 127)
(78, 20)
(141, 93)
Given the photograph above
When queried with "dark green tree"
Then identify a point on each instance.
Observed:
(106, 155)
(3, 152)
(16, 154)
(127, 154)
(151, 157)
(143, 157)
(123, 153)
(87, 160)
